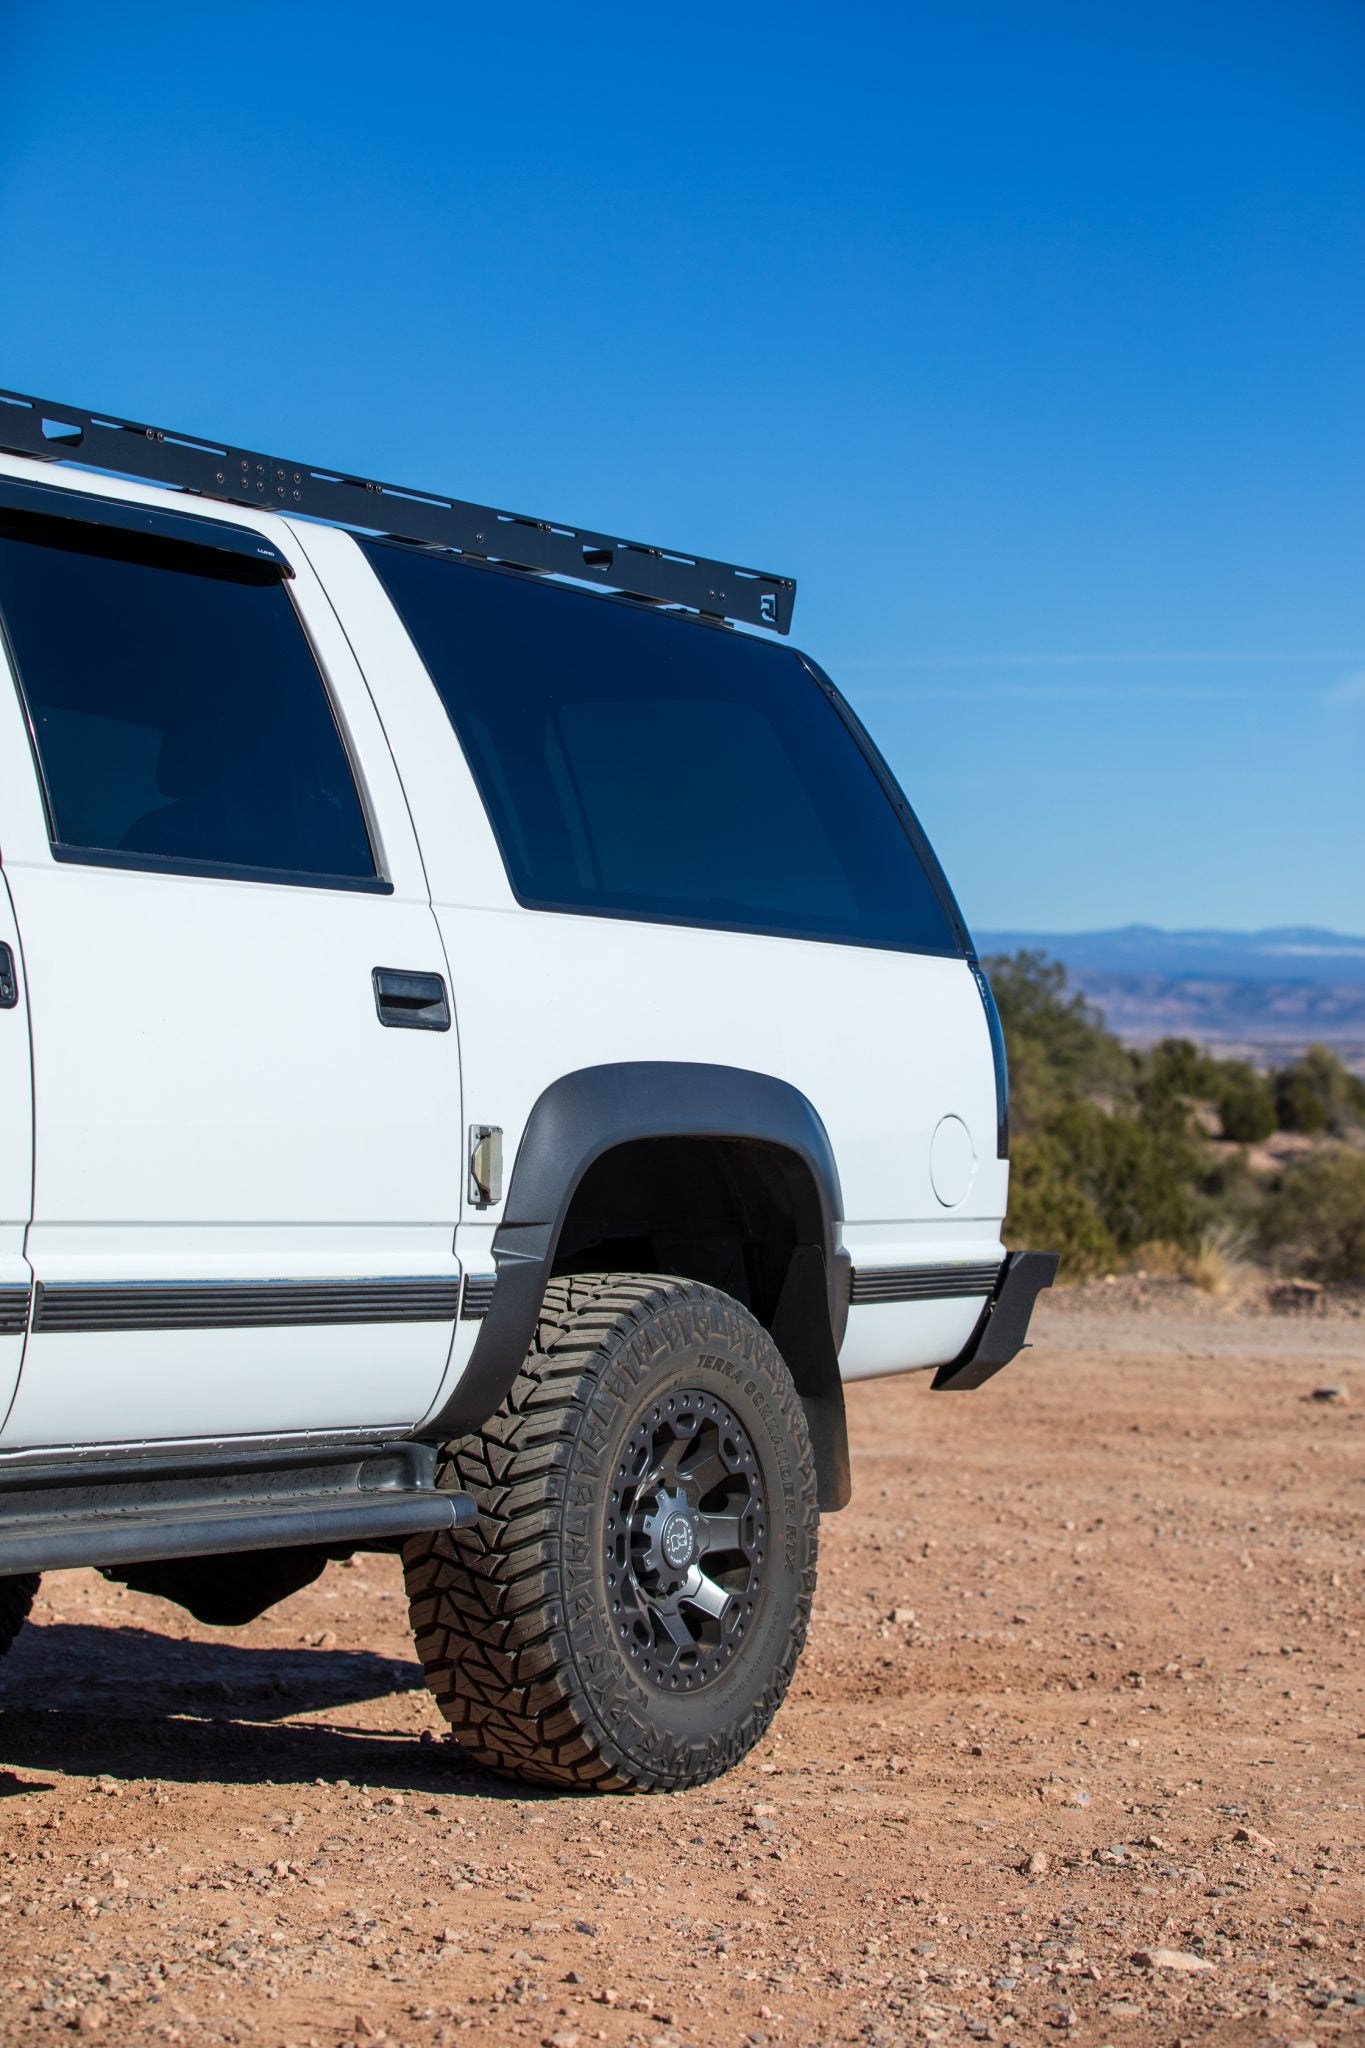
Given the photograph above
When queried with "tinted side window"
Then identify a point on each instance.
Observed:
(638, 766)
(177, 711)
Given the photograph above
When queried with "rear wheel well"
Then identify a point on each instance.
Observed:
(736, 1214)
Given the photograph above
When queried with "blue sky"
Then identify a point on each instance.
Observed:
(1028, 338)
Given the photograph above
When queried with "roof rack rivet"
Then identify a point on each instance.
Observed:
(218, 476)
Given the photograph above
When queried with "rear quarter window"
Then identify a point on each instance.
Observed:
(646, 767)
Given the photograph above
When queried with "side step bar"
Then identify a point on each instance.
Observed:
(141, 1508)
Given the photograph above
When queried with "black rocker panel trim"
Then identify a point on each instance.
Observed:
(579, 1118)
(922, 1283)
(13, 1311)
(242, 1305)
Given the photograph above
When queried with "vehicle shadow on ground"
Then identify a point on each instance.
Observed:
(178, 1677)
(132, 1704)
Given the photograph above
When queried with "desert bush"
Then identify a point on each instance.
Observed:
(1093, 1186)
(1139, 1179)
(1058, 1046)
(1245, 1101)
(1298, 1104)
(1314, 1217)
(1318, 1093)
(1173, 1074)
(1047, 1209)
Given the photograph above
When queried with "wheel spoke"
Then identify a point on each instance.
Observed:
(718, 1532)
(705, 1594)
(667, 1466)
(708, 1471)
(676, 1629)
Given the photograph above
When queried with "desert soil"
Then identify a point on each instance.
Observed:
(1076, 1751)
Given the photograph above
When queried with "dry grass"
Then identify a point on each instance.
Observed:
(1215, 1265)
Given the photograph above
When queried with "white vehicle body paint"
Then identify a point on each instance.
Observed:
(16, 1157)
(215, 1103)
(883, 1044)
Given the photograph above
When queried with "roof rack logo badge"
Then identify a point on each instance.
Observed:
(767, 607)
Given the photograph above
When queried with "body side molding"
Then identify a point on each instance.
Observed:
(13, 1310)
(575, 1121)
(241, 1304)
(923, 1283)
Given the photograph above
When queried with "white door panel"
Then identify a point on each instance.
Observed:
(16, 1162)
(206, 1123)
(142, 1386)
(208, 1054)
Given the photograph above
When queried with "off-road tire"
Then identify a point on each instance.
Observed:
(518, 1621)
(16, 1597)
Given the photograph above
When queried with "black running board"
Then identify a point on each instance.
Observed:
(64, 1517)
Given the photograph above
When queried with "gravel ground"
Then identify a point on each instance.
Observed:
(1077, 1751)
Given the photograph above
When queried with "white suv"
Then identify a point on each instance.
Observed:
(482, 1061)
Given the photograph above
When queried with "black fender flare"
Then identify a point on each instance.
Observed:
(574, 1122)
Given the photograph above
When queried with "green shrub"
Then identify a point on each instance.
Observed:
(1298, 1104)
(1138, 1179)
(1315, 1215)
(1318, 1094)
(1058, 1046)
(1049, 1211)
(1245, 1101)
(1175, 1071)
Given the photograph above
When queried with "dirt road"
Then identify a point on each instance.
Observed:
(1086, 1684)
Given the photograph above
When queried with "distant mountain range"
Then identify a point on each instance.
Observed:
(1286, 953)
(1263, 994)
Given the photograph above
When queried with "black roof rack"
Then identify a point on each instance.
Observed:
(662, 576)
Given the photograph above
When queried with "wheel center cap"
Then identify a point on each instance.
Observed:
(679, 1541)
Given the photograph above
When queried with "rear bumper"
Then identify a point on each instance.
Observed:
(1003, 1327)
